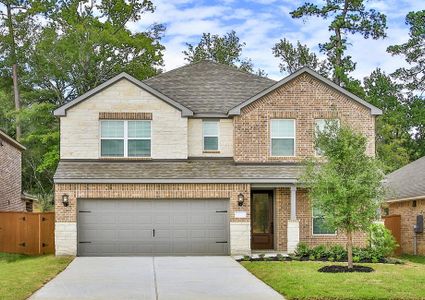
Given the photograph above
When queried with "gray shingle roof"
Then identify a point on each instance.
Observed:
(208, 87)
(187, 171)
(407, 182)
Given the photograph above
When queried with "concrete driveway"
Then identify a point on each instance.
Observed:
(156, 278)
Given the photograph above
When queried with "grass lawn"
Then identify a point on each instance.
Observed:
(22, 275)
(300, 280)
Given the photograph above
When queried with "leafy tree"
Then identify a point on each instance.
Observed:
(85, 44)
(346, 184)
(348, 17)
(17, 27)
(226, 49)
(392, 128)
(414, 53)
(295, 57)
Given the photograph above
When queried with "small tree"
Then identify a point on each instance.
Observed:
(345, 184)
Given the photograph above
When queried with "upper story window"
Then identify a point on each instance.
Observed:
(319, 225)
(210, 135)
(125, 138)
(282, 137)
(319, 126)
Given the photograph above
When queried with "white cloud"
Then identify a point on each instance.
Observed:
(261, 23)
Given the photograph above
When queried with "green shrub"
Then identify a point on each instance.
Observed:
(246, 258)
(380, 240)
(312, 257)
(320, 252)
(337, 252)
(302, 250)
(261, 256)
(356, 259)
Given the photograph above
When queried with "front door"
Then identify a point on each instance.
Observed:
(262, 220)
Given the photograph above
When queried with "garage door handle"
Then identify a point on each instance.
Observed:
(153, 232)
(224, 242)
(221, 211)
(84, 211)
(85, 242)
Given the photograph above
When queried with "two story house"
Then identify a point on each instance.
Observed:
(201, 160)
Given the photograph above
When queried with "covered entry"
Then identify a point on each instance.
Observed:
(153, 227)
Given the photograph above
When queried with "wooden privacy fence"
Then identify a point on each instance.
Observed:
(393, 224)
(27, 233)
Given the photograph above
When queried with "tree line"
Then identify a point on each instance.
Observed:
(53, 51)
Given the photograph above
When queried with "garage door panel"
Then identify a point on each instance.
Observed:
(124, 227)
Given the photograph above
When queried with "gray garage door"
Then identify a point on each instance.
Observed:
(152, 227)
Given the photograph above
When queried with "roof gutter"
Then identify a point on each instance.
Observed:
(405, 199)
(177, 180)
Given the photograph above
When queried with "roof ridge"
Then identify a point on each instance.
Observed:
(233, 68)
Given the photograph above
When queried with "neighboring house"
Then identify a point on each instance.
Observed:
(406, 198)
(203, 159)
(11, 196)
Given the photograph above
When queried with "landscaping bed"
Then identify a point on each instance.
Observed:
(22, 275)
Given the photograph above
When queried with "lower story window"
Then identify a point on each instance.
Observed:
(319, 224)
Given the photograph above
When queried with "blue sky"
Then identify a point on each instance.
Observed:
(261, 23)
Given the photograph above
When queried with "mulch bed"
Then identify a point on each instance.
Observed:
(345, 269)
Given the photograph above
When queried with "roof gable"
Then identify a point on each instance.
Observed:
(237, 109)
(61, 111)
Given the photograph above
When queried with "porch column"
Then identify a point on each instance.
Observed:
(293, 223)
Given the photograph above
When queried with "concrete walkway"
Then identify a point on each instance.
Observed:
(156, 278)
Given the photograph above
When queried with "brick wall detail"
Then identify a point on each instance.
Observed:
(149, 191)
(408, 215)
(10, 178)
(304, 99)
(304, 216)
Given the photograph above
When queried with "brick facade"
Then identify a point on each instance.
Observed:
(304, 215)
(304, 99)
(10, 178)
(149, 191)
(408, 215)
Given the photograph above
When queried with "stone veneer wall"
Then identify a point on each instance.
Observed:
(66, 217)
(408, 215)
(303, 99)
(10, 178)
(304, 215)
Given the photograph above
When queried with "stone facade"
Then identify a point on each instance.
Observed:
(225, 140)
(408, 213)
(80, 128)
(10, 178)
(304, 99)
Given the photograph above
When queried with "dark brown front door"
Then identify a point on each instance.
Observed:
(262, 220)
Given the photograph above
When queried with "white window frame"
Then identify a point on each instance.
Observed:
(283, 137)
(312, 227)
(315, 132)
(125, 138)
(217, 136)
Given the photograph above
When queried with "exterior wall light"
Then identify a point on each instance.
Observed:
(65, 200)
(241, 199)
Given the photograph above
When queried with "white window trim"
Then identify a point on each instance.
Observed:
(125, 138)
(314, 132)
(283, 137)
(319, 234)
(217, 136)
